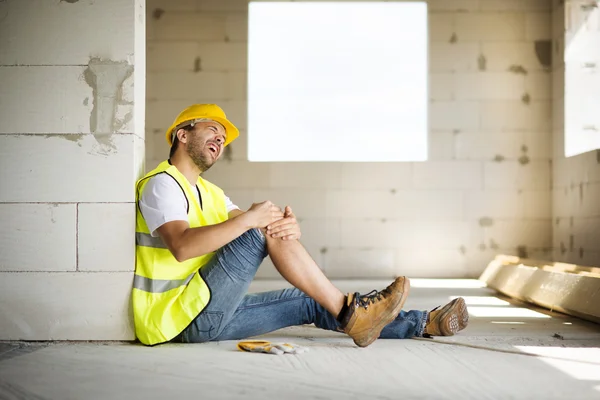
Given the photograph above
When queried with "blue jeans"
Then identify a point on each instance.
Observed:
(233, 314)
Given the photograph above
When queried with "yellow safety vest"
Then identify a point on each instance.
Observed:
(167, 294)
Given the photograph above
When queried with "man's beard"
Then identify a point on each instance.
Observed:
(199, 157)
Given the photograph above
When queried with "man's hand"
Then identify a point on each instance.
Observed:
(286, 228)
(262, 214)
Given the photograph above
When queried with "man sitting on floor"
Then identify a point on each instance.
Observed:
(196, 254)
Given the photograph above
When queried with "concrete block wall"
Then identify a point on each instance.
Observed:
(484, 190)
(576, 99)
(72, 144)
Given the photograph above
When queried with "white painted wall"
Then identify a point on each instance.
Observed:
(576, 179)
(484, 191)
(72, 105)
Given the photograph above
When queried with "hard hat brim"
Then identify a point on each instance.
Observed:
(231, 131)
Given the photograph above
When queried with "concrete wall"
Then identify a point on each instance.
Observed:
(576, 117)
(485, 189)
(71, 147)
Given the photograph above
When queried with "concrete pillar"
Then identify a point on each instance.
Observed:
(72, 103)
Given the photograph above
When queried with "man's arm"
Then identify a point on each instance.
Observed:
(185, 242)
(235, 213)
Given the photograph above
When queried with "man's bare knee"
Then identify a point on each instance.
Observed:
(279, 243)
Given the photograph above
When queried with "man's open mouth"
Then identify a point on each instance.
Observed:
(214, 149)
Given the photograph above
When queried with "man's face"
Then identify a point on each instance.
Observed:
(205, 144)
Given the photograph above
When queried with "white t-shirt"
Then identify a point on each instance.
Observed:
(163, 201)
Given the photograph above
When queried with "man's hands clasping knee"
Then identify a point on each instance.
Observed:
(273, 222)
(286, 228)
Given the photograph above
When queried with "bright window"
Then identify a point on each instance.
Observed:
(582, 82)
(337, 81)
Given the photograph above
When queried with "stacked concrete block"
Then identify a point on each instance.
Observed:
(72, 146)
(576, 128)
(485, 188)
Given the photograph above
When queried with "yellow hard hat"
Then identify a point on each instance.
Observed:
(199, 111)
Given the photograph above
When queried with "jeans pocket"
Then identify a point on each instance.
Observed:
(207, 326)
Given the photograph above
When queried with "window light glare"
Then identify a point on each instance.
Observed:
(353, 90)
(584, 364)
(505, 312)
(447, 283)
(482, 301)
(580, 106)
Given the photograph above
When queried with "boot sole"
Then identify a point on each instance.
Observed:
(457, 320)
(376, 330)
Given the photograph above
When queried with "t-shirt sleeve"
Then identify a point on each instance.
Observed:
(230, 205)
(162, 201)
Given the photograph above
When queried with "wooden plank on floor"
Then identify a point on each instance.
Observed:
(570, 289)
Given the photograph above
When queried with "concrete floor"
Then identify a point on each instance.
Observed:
(492, 359)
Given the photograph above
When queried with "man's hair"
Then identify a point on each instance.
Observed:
(188, 128)
(175, 144)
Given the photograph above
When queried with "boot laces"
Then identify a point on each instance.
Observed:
(369, 298)
(430, 314)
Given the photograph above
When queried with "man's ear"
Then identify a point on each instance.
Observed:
(182, 135)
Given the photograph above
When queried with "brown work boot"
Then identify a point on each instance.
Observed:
(447, 321)
(368, 314)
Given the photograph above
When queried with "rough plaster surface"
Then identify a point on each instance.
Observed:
(106, 79)
(388, 369)
(76, 99)
(490, 121)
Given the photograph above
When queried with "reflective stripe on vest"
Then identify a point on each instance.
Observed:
(159, 285)
(147, 240)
